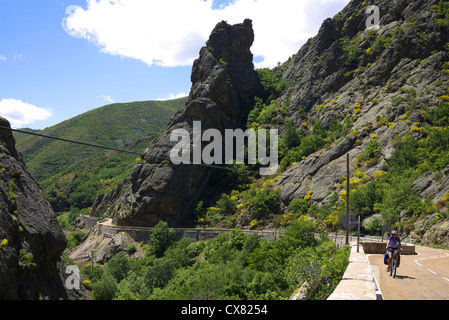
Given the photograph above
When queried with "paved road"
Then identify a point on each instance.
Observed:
(424, 276)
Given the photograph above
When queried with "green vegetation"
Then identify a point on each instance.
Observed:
(272, 82)
(223, 63)
(442, 14)
(26, 259)
(296, 144)
(383, 42)
(230, 266)
(71, 175)
(161, 238)
(350, 47)
(273, 85)
(263, 201)
(372, 151)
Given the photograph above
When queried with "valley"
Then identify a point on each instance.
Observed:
(379, 96)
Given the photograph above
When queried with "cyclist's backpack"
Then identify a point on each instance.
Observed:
(386, 258)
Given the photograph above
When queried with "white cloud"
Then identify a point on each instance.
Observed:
(20, 114)
(107, 99)
(18, 56)
(170, 33)
(3, 58)
(172, 96)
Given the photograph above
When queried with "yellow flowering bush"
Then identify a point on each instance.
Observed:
(308, 196)
(353, 133)
(331, 220)
(378, 174)
(362, 175)
(4, 243)
(253, 223)
(445, 197)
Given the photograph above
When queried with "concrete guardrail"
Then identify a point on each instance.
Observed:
(358, 282)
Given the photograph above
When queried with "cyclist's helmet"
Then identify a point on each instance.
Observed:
(394, 232)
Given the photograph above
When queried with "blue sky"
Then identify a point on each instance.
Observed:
(60, 58)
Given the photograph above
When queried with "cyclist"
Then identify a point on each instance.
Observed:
(393, 243)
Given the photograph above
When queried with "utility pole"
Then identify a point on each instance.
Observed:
(347, 198)
(92, 263)
(358, 232)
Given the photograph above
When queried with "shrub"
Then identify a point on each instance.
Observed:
(161, 238)
(272, 82)
(441, 114)
(291, 137)
(118, 266)
(4, 243)
(131, 248)
(405, 155)
(159, 273)
(226, 205)
(372, 149)
(266, 114)
(264, 202)
(442, 13)
(299, 206)
(374, 224)
(74, 239)
(26, 259)
(105, 288)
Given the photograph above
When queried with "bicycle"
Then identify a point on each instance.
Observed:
(394, 262)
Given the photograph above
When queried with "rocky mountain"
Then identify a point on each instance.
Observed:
(224, 82)
(31, 240)
(385, 86)
(378, 94)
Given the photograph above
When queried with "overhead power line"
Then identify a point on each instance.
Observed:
(119, 150)
(71, 141)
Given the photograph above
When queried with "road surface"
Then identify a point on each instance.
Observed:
(423, 276)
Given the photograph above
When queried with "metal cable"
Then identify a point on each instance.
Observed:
(121, 150)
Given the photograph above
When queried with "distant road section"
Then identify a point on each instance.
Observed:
(424, 276)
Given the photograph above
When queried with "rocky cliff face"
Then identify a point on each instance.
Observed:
(31, 240)
(379, 78)
(378, 86)
(384, 83)
(223, 83)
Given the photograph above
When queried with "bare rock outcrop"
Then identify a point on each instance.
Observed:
(31, 239)
(223, 82)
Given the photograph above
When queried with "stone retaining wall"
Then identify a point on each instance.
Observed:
(379, 248)
(194, 234)
(89, 222)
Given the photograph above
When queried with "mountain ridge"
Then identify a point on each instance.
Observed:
(56, 164)
(374, 94)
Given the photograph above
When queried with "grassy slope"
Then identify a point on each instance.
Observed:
(116, 125)
(129, 126)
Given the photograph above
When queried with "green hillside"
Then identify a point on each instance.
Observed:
(73, 175)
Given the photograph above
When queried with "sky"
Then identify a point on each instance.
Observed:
(60, 58)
